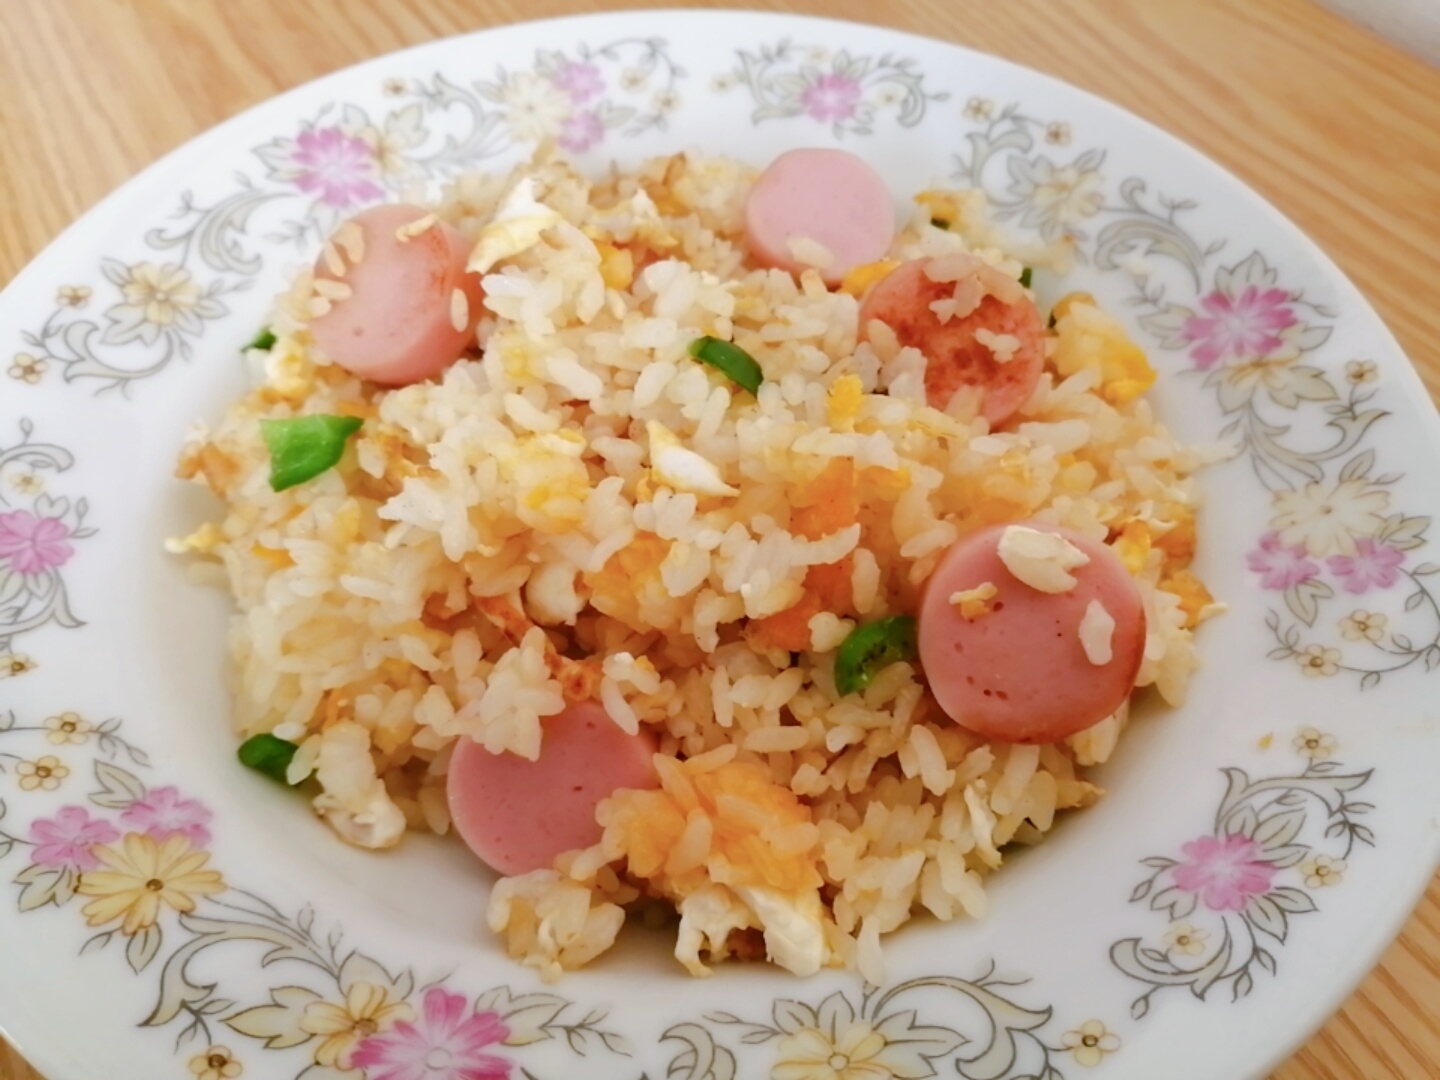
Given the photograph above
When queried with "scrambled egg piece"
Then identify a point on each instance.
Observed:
(629, 587)
(1133, 546)
(858, 279)
(1195, 599)
(708, 917)
(550, 478)
(974, 603)
(203, 541)
(794, 926)
(277, 558)
(1176, 543)
(826, 505)
(517, 226)
(842, 403)
(1088, 339)
(745, 811)
(354, 801)
(617, 266)
(1065, 303)
(682, 468)
(289, 373)
(734, 849)
(552, 924)
(947, 208)
(1179, 543)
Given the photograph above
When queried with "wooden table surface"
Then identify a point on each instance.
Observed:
(1335, 127)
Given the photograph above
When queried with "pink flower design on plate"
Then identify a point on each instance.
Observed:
(33, 544)
(1225, 871)
(580, 80)
(581, 131)
(1244, 326)
(445, 1044)
(337, 167)
(64, 841)
(1372, 564)
(162, 814)
(831, 97)
(1279, 565)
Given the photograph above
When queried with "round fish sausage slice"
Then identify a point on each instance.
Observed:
(955, 354)
(1020, 673)
(518, 815)
(401, 321)
(828, 198)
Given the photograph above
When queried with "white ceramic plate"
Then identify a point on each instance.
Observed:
(1258, 847)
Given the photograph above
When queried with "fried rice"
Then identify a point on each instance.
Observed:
(509, 536)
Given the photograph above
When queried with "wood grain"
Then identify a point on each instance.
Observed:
(1334, 126)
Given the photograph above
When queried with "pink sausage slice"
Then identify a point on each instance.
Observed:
(829, 197)
(956, 357)
(399, 323)
(518, 815)
(1019, 673)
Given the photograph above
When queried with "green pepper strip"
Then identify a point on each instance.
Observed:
(303, 448)
(1025, 276)
(730, 360)
(871, 648)
(267, 754)
(264, 340)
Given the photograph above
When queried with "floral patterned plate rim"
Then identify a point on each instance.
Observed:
(164, 914)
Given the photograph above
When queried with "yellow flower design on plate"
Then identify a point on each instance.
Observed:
(1322, 871)
(142, 876)
(833, 1042)
(68, 728)
(157, 299)
(161, 292)
(1286, 382)
(1314, 744)
(76, 296)
(1090, 1042)
(1363, 626)
(1318, 660)
(44, 774)
(1186, 939)
(979, 109)
(216, 1063)
(535, 108)
(1361, 371)
(1065, 194)
(13, 665)
(26, 368)
(27, 482)
(856, 1052)
(1327, 519)
(367, 1009)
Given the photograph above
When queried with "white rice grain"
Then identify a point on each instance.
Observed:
(776, 740)
(411, 229)
(617, 708)
(459, 310)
